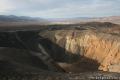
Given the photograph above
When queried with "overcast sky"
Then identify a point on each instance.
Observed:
(60, 8)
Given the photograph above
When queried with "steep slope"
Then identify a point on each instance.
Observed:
(100, 49)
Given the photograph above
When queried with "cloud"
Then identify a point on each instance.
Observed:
(60, 8)
(95, 8)
(5, 6)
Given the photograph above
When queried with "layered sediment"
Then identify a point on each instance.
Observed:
(92, 46)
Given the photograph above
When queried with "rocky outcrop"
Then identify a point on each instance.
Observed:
(90, 45)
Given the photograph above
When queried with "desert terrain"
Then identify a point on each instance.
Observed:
(83, 49)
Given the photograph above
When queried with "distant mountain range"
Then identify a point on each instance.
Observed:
(31, 20)
(112, 19)
(13, 18)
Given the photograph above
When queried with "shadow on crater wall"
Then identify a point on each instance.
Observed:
(15, 57)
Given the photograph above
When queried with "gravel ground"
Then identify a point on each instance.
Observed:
(46, 75)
